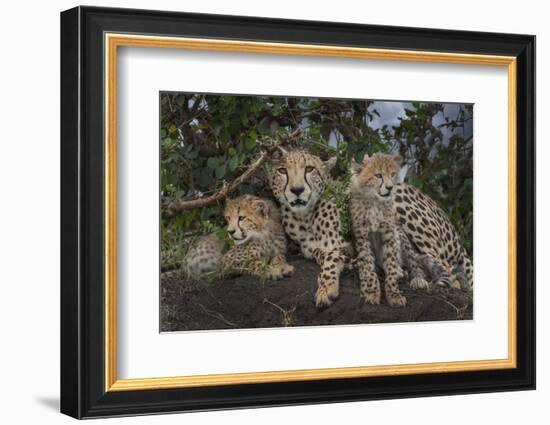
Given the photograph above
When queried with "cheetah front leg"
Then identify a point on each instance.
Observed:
(279, 268)
(392, 267)
(328, 281)
(369, 282)
(463, 271)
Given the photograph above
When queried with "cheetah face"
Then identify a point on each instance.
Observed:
(375, 176)
(246, 218)
(298, 180)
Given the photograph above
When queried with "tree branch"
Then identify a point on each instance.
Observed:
(179, 204)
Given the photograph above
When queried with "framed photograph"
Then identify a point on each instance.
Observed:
(261, 212)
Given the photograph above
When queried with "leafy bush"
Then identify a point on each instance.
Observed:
(207, 140)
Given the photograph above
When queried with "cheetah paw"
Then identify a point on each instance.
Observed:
(372, 297)
(456, 284)
(396, 300)
(324, 297)
(280, 272)
(419, 283)
(287, 270)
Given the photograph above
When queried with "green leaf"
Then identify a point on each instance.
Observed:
(213, 162)
(359, 156)
(220, 171)
(232, 152)
(250, 144)
(192, 154)
(180, 100)
(205, 178)
(263, 128)
(233, 163)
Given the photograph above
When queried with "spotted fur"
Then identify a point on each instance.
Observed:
(431, 243)
(259, 242)
(205, 256)
(297, 180)
(433, 235)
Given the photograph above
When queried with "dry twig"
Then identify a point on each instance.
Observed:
(217, 315)
(178, 205)
(287, 318)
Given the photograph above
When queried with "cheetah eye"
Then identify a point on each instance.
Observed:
(241, 217)
(379, 176)
(309, 169)
(282, 170)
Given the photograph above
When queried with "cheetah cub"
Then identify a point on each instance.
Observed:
(259, 242)
(379, 240)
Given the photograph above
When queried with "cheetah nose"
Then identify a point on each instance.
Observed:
(231, 231)
(297, 190)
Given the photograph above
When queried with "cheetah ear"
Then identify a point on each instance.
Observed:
(398, 159)
(355, 166)
(330, 163)
(277, 157)
(366, 157)
(262, 208)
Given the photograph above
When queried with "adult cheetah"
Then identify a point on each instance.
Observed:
(297, 180)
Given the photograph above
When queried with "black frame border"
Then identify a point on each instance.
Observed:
(82, 212)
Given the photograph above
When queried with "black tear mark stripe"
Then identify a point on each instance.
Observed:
(239, 220)
(286, 185)
(306, 180)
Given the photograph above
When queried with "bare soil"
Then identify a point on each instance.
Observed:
(247, 302)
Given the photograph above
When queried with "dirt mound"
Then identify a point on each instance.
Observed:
(247, 302)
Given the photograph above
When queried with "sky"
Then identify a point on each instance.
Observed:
(390, 111)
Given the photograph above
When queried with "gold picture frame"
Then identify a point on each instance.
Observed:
(91, 39)
(114, 41)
